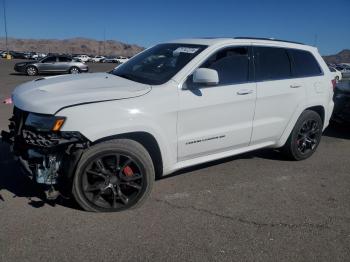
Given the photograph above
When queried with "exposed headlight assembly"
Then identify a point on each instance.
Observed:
(45, 122)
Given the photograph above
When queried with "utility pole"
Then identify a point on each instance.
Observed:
(6, 41)
(104, 41)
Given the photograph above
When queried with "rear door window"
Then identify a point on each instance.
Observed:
(64, 59)
(272, 63)
(304, 64)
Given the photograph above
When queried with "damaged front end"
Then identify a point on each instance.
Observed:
(47, 154)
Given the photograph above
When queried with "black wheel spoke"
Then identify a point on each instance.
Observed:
(115, 198)
(122, 197)
(91, 172)
(94, 187)
(101, 166)
(117, 162)
(132, 184)
(96, 197)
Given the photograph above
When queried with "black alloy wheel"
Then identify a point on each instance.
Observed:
(308, 136)
(305, 136)
(112, 181)
(113, 176)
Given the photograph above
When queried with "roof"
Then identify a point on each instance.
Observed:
(217, 40)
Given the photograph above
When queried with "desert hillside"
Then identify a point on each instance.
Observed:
(72, 46)
(341, 57)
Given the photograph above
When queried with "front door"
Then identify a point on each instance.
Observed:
(48, 64)
(218, 118)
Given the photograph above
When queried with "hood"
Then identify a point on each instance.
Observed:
(48, 95)
(27, 63)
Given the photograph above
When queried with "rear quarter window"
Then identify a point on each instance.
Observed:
(304, 64)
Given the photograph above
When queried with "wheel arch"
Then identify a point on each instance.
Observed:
(148, 141)
(319, 109)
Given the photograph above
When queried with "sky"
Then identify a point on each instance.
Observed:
(325, 24)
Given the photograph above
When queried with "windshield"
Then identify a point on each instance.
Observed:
(158, 64)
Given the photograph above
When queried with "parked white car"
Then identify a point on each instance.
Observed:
(337, 74)
(175, 105)
(121, 59)
(83, 58)
(97, 59)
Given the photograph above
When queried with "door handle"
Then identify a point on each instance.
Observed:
(295, 86)
(244, 92)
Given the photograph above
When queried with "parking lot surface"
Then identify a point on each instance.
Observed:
(252, 207)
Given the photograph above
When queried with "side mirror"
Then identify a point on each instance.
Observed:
(206, 76)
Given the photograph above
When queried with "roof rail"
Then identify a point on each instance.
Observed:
(265, 38)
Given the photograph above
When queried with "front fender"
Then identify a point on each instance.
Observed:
(97, 121)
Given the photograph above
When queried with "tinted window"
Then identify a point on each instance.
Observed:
(271, 63)
(158, 64)
(304, 64)
(50, 59)
(231, 64)
(64, 59)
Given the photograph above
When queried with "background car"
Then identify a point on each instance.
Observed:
(83, 58)
(345, 70)
(122, 59)
(341, 98)
(110, 59)
(18, 55)
(97, 59)
(51, 64)
(337, 74)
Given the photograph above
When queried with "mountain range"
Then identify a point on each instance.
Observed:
(80, 45)
(72, 46)
(341, 57)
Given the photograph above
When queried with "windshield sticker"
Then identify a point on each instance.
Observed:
(187, 50)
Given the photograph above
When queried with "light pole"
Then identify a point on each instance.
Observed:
(7, 48)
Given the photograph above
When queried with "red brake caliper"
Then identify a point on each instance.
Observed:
(128, 171)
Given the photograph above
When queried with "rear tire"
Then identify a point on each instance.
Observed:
(74, 70)
(305, 137)
(113, 176)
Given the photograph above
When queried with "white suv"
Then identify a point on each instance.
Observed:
(106, 136)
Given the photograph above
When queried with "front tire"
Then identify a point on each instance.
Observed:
(113, 176)
(32, 71)
(305, 137)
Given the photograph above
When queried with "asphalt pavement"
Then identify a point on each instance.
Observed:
(252, 207)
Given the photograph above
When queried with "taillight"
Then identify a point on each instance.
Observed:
(334, 83)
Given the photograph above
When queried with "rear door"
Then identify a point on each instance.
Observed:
(64, 64)
(278, 93)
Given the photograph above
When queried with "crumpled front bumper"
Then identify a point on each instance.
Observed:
(46, 156)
